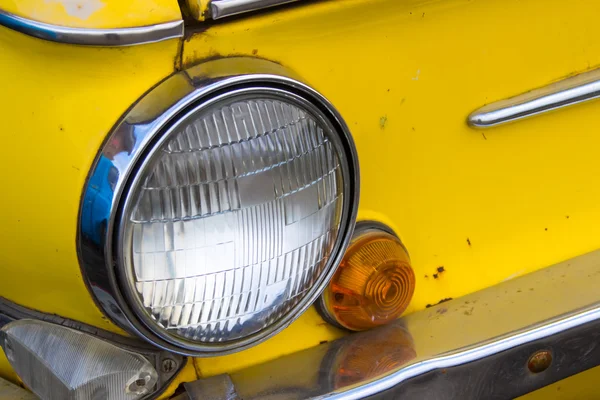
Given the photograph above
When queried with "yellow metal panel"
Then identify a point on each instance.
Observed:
(95, 13)
(58, 103)
(405, 75)
(580, 386)
(487, 206)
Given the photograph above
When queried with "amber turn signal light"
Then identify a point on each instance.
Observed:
(373, 284)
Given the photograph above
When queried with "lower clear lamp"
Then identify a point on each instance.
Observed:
(61, 363)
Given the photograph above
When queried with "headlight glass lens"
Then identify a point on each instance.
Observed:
(233, 218)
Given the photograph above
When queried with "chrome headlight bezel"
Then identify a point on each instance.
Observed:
(145, 127)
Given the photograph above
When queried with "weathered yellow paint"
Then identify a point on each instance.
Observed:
(486, 205)
(581, 386)
(198, 9)
(95, 13)
(58, 103)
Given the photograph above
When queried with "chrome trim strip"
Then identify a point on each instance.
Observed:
(145, 125)
(557, 308)
(570, 91)
(225, 8)
(93, 37)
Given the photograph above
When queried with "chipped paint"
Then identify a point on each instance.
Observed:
(383, 121)
(82, 9)
(416, 78)
(513, 276)
(198, 9)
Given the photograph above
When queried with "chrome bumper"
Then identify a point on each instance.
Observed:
(478, 346)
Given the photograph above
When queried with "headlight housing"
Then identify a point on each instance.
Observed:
(236, 197)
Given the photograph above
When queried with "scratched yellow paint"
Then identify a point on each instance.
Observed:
(486, 205)
(95, 13)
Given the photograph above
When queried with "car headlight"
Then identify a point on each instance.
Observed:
(232, 209)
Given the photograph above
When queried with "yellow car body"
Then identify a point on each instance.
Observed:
(487, 205)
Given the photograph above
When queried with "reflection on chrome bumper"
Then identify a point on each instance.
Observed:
(478, 346)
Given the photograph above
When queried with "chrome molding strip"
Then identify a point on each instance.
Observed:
(477, 346)
(225, 8)
(93, 37)
(570, 91)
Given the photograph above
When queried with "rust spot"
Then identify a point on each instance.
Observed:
(323, 342)
(255, 52)
(440, 302)
(441, 269)
(469, 242)
(435, 276)
(443, 371)
(383, 121)
(426, 276)
(539, 361)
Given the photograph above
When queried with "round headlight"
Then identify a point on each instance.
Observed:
(235, 197)
(232, 220)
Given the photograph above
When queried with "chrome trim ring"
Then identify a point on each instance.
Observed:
(93, 37)
(226, 8)
(143, 128)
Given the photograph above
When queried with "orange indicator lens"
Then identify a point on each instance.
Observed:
(373, 284)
